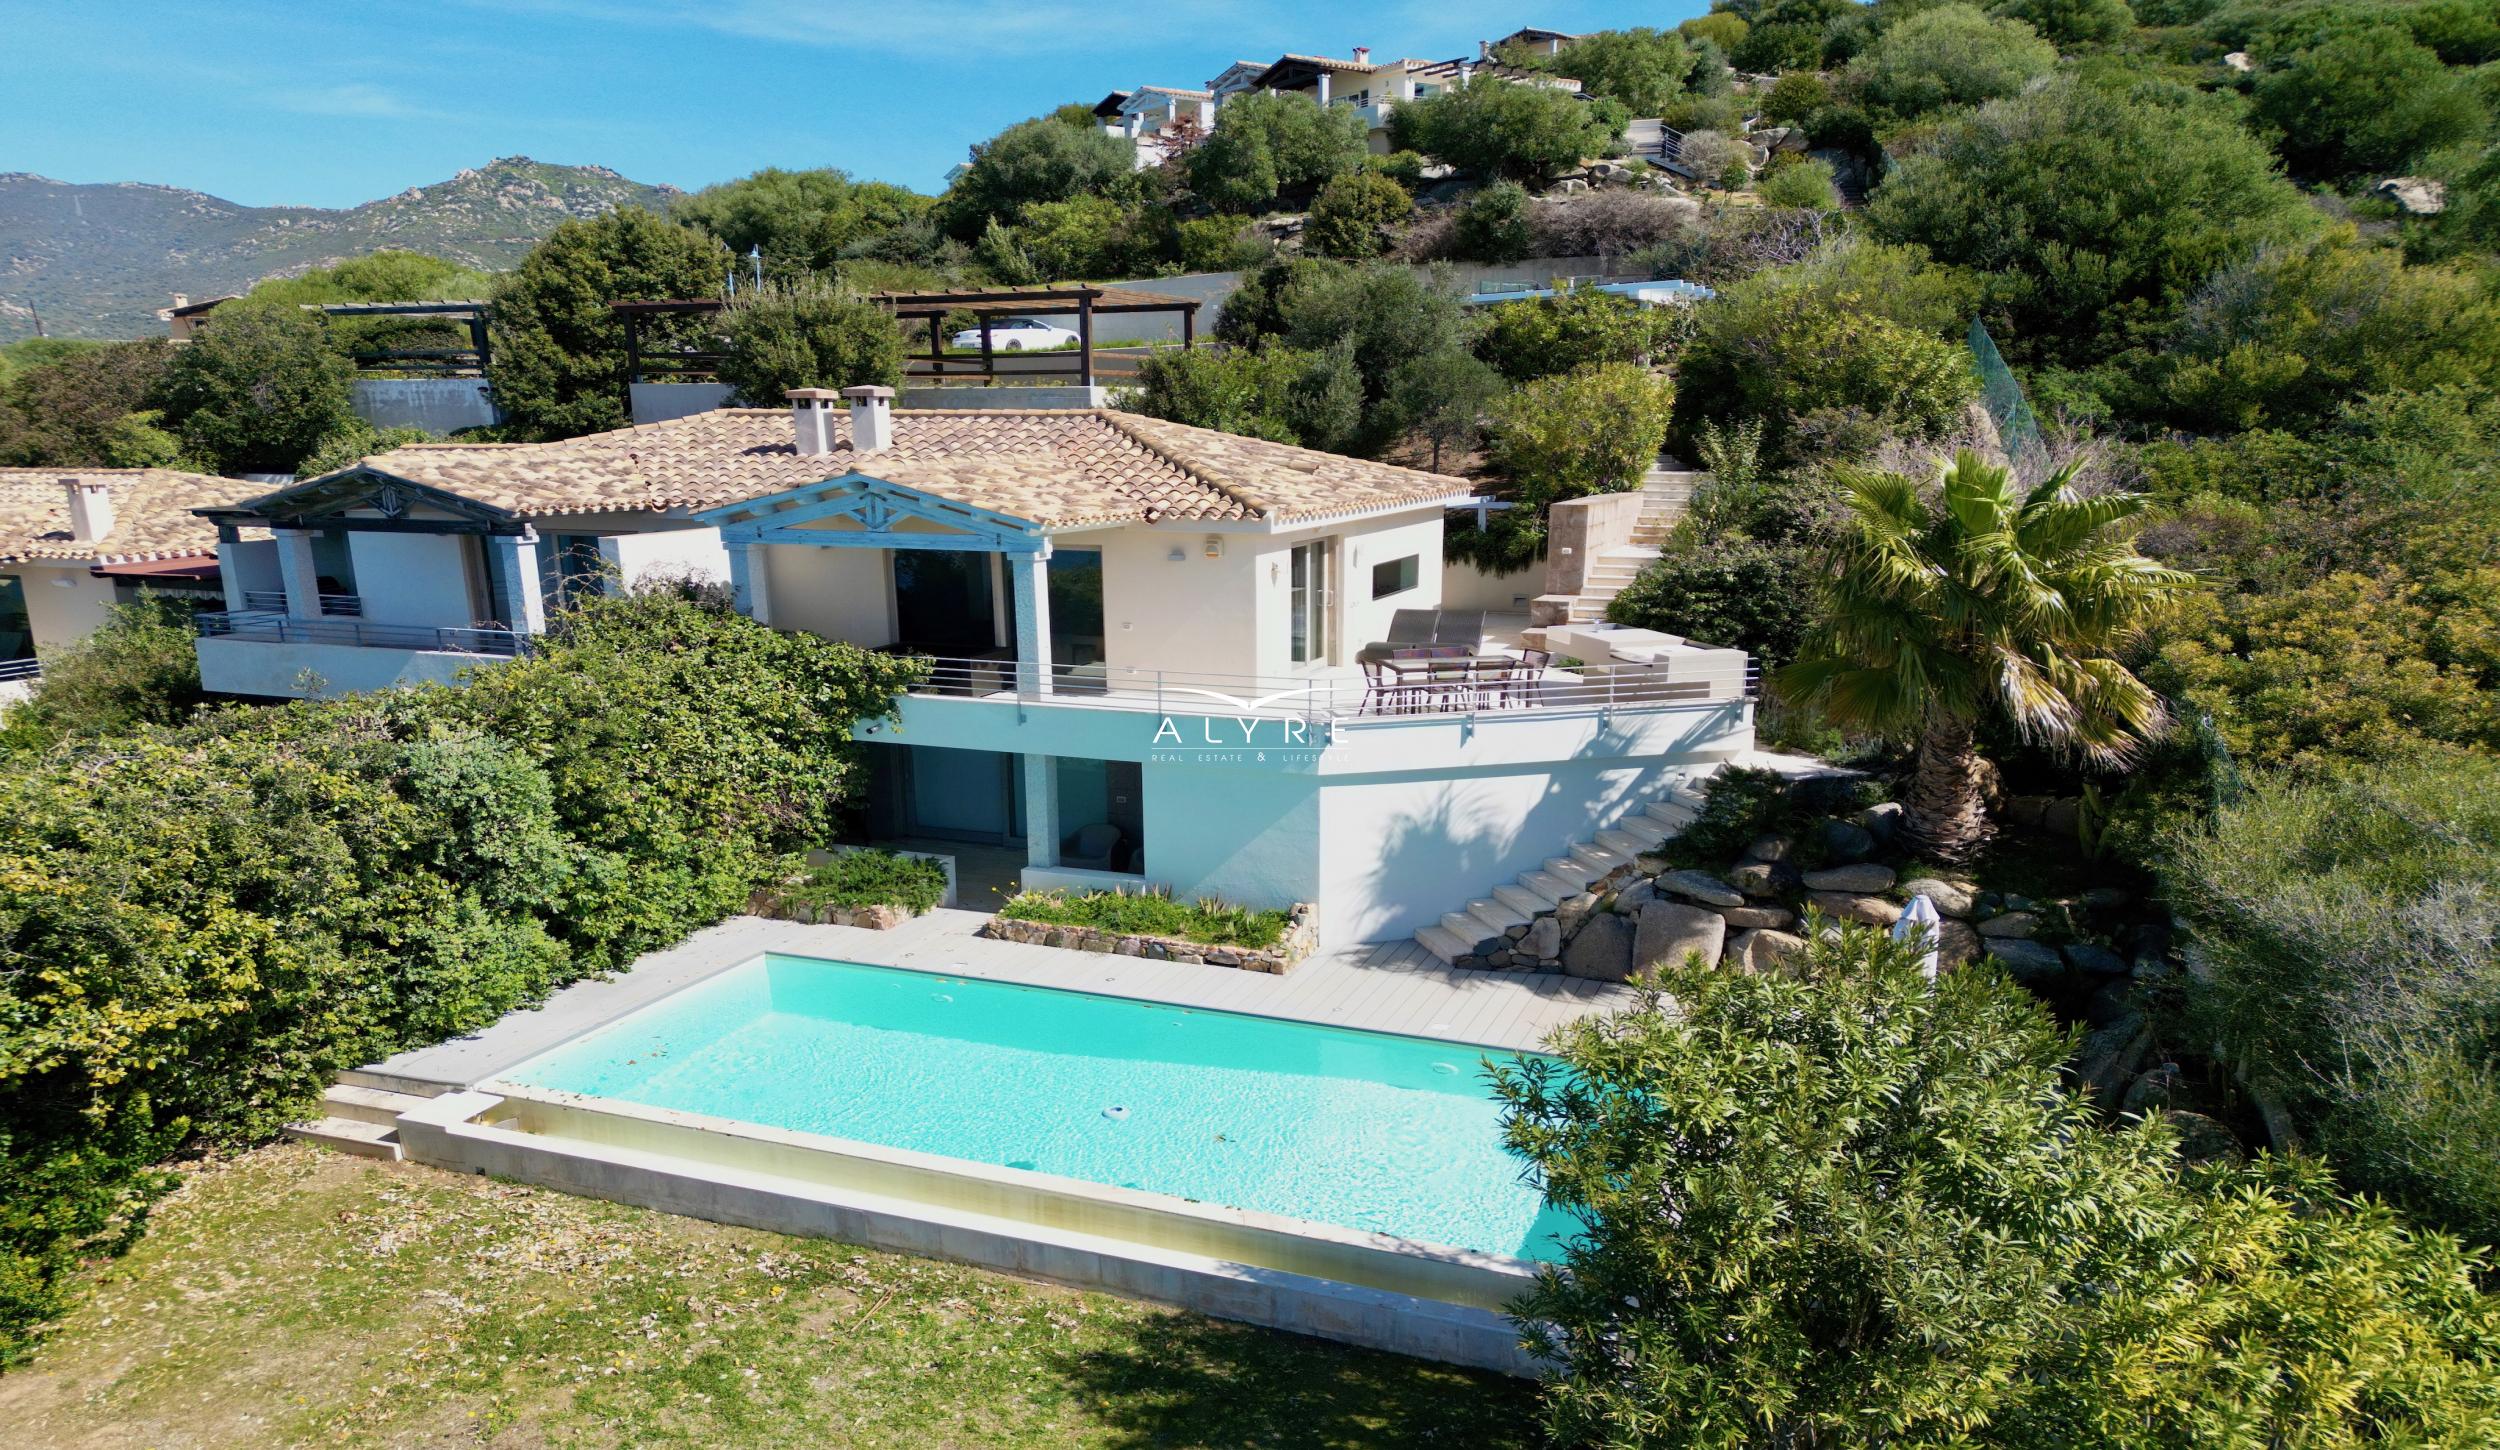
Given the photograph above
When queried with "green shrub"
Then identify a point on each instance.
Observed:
(1538, 337)
(807, 336)
(870, 878)
(2349, 932)
(1952, 55)
(228, 913)
(257, 390)
(1355, 214)
(140, 667)
(1851, 1206)
(1494, 129)
(558, 350)
(1152, 913)
(1493, 225)
(1595, 430)
(1806, 184)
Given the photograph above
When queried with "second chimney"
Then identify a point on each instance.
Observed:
(1362, 55)
(90, 509)
(811, 409)
(872, 418)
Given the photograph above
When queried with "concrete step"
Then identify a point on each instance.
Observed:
(1624, 844)
(1550, 883)
(1642, 830)
(391, 1082)
(1672, 815)
(368, 1105)
(346, 1135)
(1442, 944)
(1526, 898)
(1498, 915)
(1573, 870)
(1472, 931)
(1598, 859)
(1686, 793)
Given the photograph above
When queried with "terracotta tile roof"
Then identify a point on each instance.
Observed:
(1053, 468)
(152, 516)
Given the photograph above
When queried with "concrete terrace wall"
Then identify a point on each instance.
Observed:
(438, 405)
(659, 402)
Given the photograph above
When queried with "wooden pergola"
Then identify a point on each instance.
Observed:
(986, 305)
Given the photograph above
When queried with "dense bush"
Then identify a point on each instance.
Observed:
(2366, 101)
(1273, 150)
(1860, 1207)
(2348, 937)
(63, 406)
(140, 667)
(1953, 55)
(852, 879)
(2097, 211)
(1049, 158)
(1493, 225)
(1806, 184)
(1539, 336)
(806, 336)
(1354, 216)
(200, 926)
(559, 354)
(1641, 69)
(1493, 129)
(807, 223)
(1593, 430)
(1152, 913)
(257, 390)
(1772, 351)
(1314, 399)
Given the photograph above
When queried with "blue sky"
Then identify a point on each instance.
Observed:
(333, 102)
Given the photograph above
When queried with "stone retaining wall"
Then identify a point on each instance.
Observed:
(1300, 939)
(882, 917)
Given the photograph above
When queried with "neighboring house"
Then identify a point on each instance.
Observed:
(1529, 38)
(1241, 75)
(1147, 640)
(1157, 120)
(1375, 89)
(76, 542)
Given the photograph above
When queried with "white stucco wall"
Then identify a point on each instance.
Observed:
(1357, 619)
(667, 554)
(63, 604)
(1186, 615)
(417, 579)
(255, 561)
(1464, 586)
(844, 594)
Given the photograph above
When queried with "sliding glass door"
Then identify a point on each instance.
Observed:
(1309, 599)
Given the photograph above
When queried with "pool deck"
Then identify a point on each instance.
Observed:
(1382, 987)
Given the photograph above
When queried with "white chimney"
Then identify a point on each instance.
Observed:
(90, 510)
(1484, 50)
(811, 409)
(1362, 55)
(872, 418)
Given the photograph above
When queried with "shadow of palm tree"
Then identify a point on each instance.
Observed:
(1182, 1379)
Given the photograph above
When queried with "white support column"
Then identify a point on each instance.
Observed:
(1041, 810)
(298, 575)
(1030, 574)
(750, 582)
(230, 566)
(519, 601)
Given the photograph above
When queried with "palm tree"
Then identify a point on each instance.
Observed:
(1978, 595)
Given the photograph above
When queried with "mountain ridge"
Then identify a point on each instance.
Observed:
(97, 259)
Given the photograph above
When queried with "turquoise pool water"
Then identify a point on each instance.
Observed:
(1393, 1134)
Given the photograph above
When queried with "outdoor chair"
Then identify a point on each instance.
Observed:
(1384, 693)
(1412, 626)
(1092, 848)
(1522, 681)
(1459, 626)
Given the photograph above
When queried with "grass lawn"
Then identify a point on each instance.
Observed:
(293, 1297)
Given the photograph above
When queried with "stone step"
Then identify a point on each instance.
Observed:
(368, 1105)
(1443, 945)
(391, 1082)
(1598, 859)
(1624, 844)
(1525, 898)
(1687, 793)
(1673, 815)
(346, 1135)
(1640, 829)
(1498, 915)
(1472, 931)
(1548, 883)
(1573, 870)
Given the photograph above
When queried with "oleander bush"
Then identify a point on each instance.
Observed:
(1152, 913)
(201, 924)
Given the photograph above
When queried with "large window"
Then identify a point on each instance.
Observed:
(1394, 577)
(1309, 600)
(17, 639)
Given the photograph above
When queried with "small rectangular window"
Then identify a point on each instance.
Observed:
(1394, 577)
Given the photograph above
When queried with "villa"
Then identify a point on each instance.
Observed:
(74, 543)
(1158, 655)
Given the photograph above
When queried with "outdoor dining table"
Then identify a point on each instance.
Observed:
(1469, 677)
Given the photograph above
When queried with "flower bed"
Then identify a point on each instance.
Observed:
(866, 888)
(1154, 926)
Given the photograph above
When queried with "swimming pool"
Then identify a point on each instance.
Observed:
(1393, 1135)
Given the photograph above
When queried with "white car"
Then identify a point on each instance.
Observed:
(1018, 334)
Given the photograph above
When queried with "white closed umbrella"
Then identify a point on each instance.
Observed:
(1919, 925)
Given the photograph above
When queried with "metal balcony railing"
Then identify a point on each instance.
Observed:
(270, 601)
(1470, 686)
(14, 670)
(277, 628)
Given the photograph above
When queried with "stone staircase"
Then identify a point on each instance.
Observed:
(1666, 491)
(1511, 927)
(360, 1115)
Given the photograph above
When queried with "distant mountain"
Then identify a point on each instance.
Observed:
(98, 261)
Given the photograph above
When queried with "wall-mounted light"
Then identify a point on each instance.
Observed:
(1179, 553)
(1215, 546)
